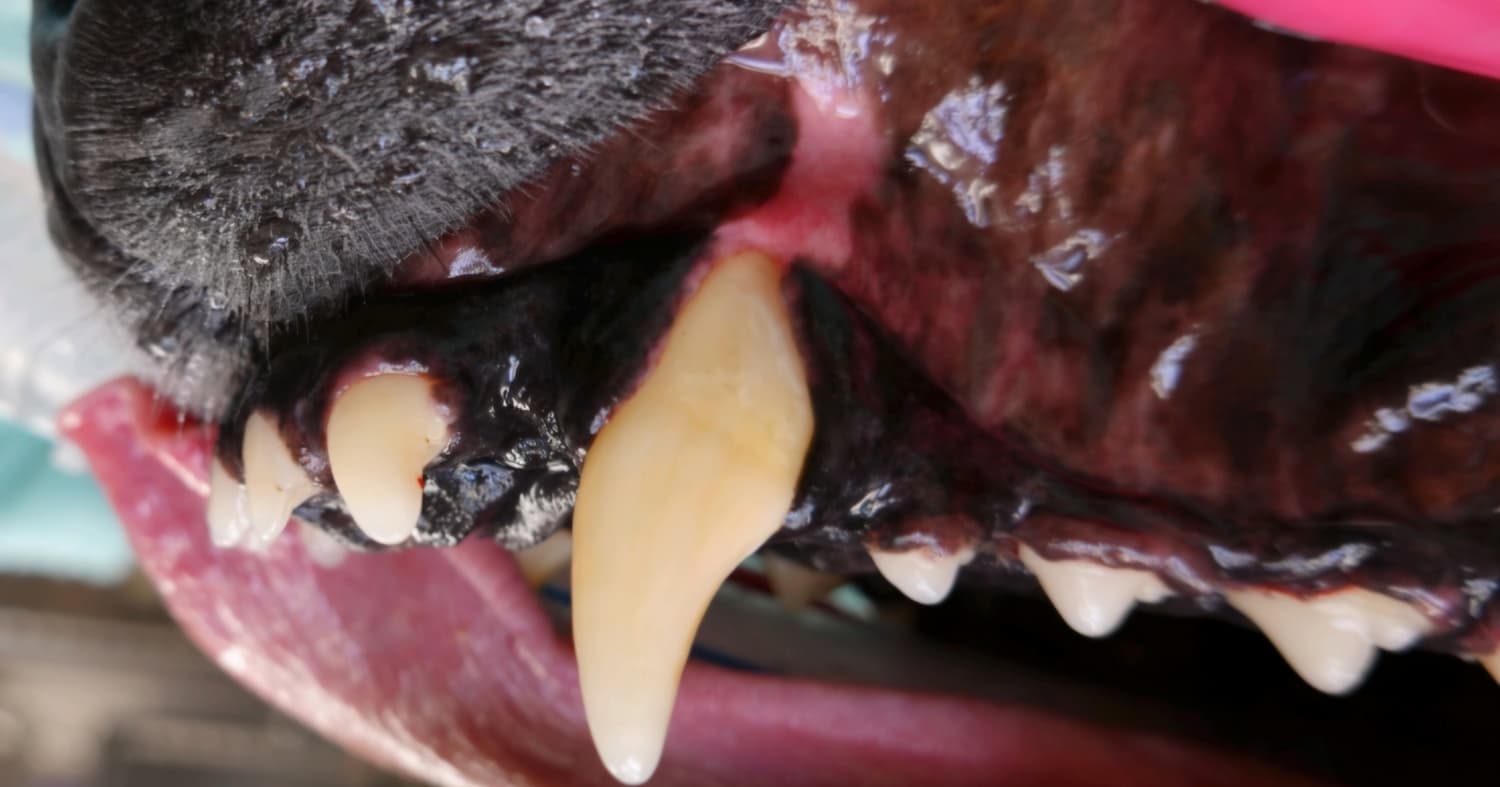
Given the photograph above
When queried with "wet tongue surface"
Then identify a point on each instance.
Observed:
(441, 664)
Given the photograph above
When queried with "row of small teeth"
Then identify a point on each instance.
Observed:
(696, 470)
(382, 433)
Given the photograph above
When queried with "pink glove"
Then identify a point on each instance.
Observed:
(1462, 34)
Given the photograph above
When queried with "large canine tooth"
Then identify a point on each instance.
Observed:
(795, 585)
(1331, 640)
(924, 575)
(1091, 598)
(274, 483)
(227, 514)
(689, 476)
(382, 433)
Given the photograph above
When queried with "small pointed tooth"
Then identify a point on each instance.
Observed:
(227, 514)
(1331, 640)
(1093, 599)
(923, 575)
(382, 433)
(543, 561)
(689, 476)
(1331, 659)
(274, 483)
(795, 585)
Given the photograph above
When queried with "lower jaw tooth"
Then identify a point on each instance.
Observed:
(1332, 640)
(543, 561)
(689, 476)
(795, 585)
(1093, 599)
(922, 574)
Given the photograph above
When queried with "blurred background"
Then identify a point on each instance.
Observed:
(97, 686)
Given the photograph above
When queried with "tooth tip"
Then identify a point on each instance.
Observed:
(630, 760)
(1093, 600)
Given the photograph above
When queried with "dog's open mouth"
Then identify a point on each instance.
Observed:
(903, 339)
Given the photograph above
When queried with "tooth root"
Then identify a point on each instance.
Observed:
(274, 483)
(227, 515)
(540, 562)
(795, 585)
(922, 575)
(1093, 599)
(382, 433)
(689, 477)
(1331, 640)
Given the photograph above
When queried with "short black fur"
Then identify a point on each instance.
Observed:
(221, 169)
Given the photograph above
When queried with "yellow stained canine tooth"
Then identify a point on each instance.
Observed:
(274, 483)
(382, 433)
(690, 476)
(1332, 640)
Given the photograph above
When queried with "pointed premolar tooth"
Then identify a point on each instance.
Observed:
(1331, 640)
(382, 433)
(796, 585)
(1091, 598)
(923, 575)
(690, 476)
(227, 513)
(274, 483)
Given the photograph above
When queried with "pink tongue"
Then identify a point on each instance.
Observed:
(441, 664)
(1461, 34)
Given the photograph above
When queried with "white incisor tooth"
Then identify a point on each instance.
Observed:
(382, 433)
(1091, 598)
(923, 575)
(228, 513)
(1331, 640)
(689, 476)
(795, 585)
(274, 483)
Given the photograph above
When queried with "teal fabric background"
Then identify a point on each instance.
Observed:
(53, 518)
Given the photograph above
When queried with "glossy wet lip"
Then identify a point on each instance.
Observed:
(441, 664)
